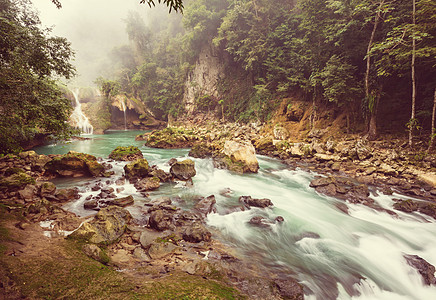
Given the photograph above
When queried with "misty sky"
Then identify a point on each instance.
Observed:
(93, 27)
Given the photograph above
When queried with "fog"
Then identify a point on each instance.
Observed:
(93, 27)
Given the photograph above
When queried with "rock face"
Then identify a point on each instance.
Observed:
(107, 226)
(130, 153)
(74, 164)
(206, 75)
(240, 157)
(183, 170)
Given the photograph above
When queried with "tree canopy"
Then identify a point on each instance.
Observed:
(31, 102)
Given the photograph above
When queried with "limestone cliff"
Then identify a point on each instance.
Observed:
(204, 78)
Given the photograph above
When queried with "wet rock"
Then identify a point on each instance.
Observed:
(279, 219)
(171, 162)
(248, 201)
(206, 206)
(183, 170)
(92, 204)
(423, 267)
(161, 174)
(137, 169)
(122, 202)
(65, 195)
(196, 233)
(323, 181)
(240, 157)
(130, 153)
(258, 221)
(106, 227)
(147, 184)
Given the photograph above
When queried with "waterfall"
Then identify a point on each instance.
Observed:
(123, 107)
(78, 118)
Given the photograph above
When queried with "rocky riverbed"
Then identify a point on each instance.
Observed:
(166, 239)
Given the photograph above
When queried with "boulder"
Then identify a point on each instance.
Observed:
(147, 184)
(106, 227)
(258, 221)
(130, 153)
(137, 169)
(75, 164)
(248, 201)
(240, 157)
(161, 174)
(65, 195)
(159, 250)
(196, 233)
(121, 202)
(265, 146)
(183, 170)
(161, 220)
(47, 189)
(170, 138)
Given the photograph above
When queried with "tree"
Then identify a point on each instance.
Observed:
(176, 5)
(31, 102)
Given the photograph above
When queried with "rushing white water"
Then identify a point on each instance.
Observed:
(334, 255)
(78, 118)
(123, 107)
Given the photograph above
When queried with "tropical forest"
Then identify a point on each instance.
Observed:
(218, 149)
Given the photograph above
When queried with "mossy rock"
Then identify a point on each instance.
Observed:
(137, 169)
(265, 145)
(201, 150)
(183, 170)
(75, 164)
(16, 181)
(171, 138)
(130, 153)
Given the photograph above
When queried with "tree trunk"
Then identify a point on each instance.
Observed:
(372, 128)
(412, 122)
(433, 116)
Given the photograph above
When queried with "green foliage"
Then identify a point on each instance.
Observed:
(31, 102)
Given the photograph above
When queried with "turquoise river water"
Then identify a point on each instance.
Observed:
(334, 255)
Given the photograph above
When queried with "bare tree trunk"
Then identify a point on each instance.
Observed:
(412, 117)
(372, 128)
(433, 116)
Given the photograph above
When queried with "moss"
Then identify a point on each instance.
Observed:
(124, 153)
(16, 181)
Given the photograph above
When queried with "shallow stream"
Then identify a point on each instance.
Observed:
(333, 254)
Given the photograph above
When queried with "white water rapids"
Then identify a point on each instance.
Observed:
(333, 254)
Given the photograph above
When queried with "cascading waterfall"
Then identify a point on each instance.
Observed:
(78, 118)
(123, 107)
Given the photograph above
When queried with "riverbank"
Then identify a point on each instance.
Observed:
(182, 254)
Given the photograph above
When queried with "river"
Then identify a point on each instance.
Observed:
(334, 255)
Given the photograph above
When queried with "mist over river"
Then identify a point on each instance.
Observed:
(359, 255)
